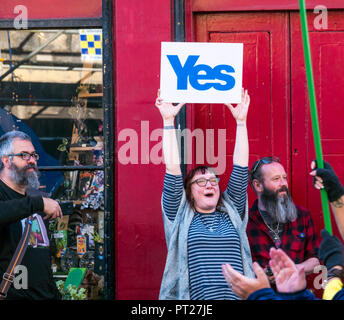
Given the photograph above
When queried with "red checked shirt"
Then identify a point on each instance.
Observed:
(298, 238)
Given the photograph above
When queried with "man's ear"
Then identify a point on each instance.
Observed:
(5, 162)
(257, 185)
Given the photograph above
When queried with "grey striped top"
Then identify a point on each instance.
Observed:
(212, 239)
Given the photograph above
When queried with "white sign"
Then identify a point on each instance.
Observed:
(198, 72)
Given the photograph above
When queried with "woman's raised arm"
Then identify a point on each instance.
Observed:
(240, 155)
(170, 145)
(237, 184)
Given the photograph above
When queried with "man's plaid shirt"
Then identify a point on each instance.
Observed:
(299, 240)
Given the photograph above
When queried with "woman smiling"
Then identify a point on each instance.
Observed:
(204, 228)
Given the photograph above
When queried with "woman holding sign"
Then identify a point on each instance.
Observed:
(204, 228)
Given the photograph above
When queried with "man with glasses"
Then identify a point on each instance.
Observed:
(275, 221)
(18, 174)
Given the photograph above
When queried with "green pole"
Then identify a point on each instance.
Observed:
(313, 107)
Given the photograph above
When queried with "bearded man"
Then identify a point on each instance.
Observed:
(18, 173)
(275, 221)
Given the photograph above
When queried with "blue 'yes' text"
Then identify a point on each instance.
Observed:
(201, 72)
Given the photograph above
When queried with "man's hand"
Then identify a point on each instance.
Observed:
(288, 277)
(243, 286)
(52, 209)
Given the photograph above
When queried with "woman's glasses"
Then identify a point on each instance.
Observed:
(202, 182)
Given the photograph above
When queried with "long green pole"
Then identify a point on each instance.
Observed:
(313, 107)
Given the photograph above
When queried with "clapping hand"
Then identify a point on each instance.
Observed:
(243, 286)
(288, 277)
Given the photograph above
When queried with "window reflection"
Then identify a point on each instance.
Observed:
(58, 91)
(51, 88)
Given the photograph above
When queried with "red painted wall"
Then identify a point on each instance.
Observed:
(52, 9)
(140, 241)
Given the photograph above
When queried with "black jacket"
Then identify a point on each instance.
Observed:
(13, 208)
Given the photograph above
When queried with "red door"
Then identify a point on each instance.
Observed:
(327, 50)
(265, 75)
(279, 125)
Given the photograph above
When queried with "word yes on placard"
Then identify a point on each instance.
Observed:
(201, 72)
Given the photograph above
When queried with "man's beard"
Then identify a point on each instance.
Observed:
(23, 177)
(280, 209)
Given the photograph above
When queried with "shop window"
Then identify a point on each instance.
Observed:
(51, 88)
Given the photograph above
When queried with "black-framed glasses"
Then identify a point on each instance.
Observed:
(264, 160)
(25, 155)
(202, 182)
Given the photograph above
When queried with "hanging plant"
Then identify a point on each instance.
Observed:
(63, 146)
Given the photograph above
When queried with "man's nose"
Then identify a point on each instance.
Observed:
(32, 159)
(283, 183)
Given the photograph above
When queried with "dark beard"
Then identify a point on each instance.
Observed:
(280, 209)
(24, 178)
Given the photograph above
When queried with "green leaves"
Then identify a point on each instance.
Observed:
(71, 292)
(63, 147)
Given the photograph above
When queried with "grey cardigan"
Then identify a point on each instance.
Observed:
(175, 280)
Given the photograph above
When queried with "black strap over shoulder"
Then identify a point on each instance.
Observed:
(8, 276)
